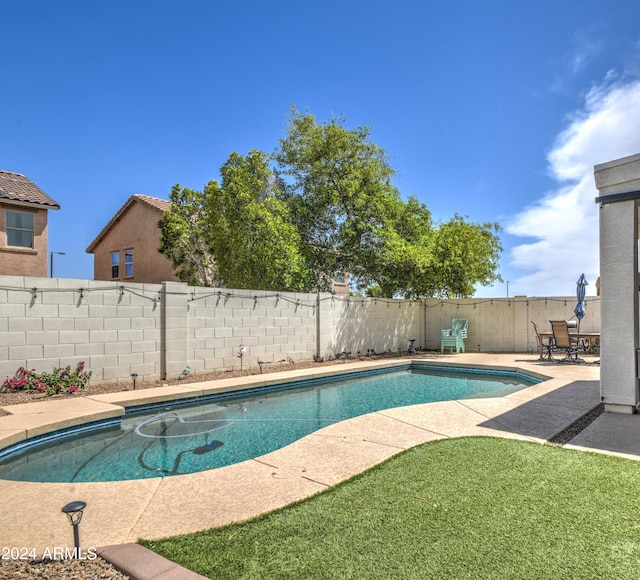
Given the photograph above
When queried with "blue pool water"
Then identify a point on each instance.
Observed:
(178, 438)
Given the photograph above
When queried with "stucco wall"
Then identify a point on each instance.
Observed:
(24, 261)
(618, 184)
(137, 230)
(155, 330)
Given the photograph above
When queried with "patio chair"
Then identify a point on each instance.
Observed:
(564, 341)
(547, 344)
(454, 336)
(574, 327)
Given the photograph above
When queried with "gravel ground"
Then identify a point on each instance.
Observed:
(60, 570)
(568, 433)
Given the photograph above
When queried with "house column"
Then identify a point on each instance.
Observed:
(619, 185)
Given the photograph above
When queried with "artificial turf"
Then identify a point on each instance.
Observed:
(460, 508)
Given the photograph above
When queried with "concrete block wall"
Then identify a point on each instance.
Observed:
(173, 348)
(504, 324)
(491, 322)
(355, 324)
(156, 330)
(542, 310)
(272, 326)
(53, 322)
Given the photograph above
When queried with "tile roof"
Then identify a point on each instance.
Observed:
(160, 204)
(16, 187)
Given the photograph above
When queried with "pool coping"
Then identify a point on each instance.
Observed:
(119, 513)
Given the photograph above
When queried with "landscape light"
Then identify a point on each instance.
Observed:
(74, 513)
(241, 353)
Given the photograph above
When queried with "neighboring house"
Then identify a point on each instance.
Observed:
(340, 285)
(24, 212)
(127, 247)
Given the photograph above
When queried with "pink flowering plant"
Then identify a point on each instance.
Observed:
(60, 380)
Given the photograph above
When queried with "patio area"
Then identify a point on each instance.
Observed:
(122, 512)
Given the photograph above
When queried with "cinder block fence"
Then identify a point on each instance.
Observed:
(156, 330)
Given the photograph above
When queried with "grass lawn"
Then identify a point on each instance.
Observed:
(457, 508)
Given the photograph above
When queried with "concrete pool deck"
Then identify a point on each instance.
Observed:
(119, 513)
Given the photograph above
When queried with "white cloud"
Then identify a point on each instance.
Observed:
(586, 49)
(564, 223)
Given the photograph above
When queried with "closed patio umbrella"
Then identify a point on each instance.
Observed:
(581, 290)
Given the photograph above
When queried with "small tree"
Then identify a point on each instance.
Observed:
(463, 254)
(185, 239)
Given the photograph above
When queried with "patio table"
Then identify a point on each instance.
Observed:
(593, 338)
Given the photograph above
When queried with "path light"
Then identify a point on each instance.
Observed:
(134, 376)
(74, 513)
(261, 363)
(412, 348)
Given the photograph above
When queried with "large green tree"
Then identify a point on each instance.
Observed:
(401, 251)
(251, 236)
(337, 183)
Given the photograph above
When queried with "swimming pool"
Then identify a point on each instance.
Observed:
(208, 432)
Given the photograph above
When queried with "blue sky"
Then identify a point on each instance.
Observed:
(495, 110)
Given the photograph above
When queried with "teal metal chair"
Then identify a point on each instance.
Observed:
(454, 336)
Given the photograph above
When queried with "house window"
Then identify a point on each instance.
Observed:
(115, 265)
(128, 263)
(340, 279)
(19, 228)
